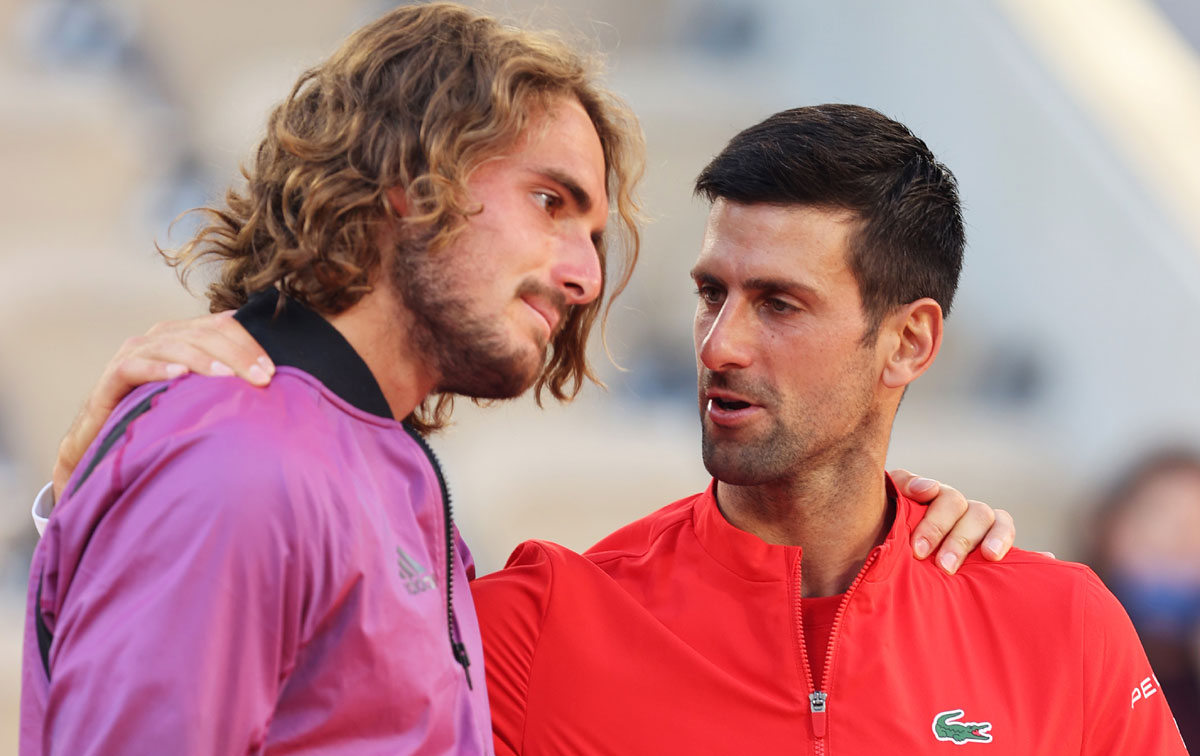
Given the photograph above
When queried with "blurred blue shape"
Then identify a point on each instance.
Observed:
(723, 28)
(91, 37)
(71, 33)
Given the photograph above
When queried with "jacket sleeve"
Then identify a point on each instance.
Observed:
(1124, 710)
(512, 605)
(179, 622)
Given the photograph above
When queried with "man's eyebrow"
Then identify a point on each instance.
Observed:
(757, 284)
(582, 199)
(779, 284)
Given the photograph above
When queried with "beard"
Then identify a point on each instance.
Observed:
(750, 463)
(472, 353)
(744, 460)
(794, 442)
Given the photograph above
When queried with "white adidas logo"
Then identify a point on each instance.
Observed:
(416, 577)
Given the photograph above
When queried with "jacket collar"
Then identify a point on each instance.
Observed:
(742, 553)
(296, 336)
(754, 559)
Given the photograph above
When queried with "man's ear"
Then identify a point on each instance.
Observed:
(399, 199)
(916, 337)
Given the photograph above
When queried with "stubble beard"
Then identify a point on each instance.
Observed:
(750, 461)
(471, 354)
(792, 448)
(733, 456)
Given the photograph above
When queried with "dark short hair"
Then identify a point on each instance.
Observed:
(909, 241)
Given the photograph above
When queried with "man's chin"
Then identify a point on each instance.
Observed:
(501, 379)
(735, 476)
(745, 462)
(731, 469)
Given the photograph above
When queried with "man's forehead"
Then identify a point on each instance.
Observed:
(765, 240)
(561, 141)
(779, 215)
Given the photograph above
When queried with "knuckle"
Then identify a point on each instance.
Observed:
(121, 371)
(982, 511)
(128, 367)
(132, 344)
(954, 497)
(932, 530)
(160, 327)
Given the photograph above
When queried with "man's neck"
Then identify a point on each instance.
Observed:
(377, 327)
(836, 516)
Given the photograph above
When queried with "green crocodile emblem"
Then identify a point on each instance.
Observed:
(944, 728)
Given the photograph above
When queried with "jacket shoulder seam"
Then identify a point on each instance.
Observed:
(613, 556)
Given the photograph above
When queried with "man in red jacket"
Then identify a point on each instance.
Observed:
(779, 611)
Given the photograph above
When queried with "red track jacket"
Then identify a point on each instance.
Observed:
(680, 634)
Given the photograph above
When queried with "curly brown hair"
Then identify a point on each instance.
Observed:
(416, 99)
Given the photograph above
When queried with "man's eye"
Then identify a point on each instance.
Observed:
(778, 305)
(710, 294)
(548, 200)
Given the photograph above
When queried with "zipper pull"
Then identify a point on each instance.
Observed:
(816, 704)
(460, 656)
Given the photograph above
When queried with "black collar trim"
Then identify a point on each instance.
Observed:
(301, 338)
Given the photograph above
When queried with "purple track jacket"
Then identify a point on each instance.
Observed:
(255, 570)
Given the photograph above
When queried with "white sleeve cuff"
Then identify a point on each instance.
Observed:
(43, 505)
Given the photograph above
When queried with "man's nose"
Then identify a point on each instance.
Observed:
(577, 272)
(725, 342)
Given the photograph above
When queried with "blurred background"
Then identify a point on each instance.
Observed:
(1073, 127)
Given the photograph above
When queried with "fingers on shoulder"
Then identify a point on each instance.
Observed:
(214, 344)
(944, 512)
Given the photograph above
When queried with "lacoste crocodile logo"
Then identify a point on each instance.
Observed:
(960, 733)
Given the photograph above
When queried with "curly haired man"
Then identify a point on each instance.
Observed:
(245, 570)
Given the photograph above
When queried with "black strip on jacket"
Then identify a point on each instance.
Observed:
(44, 636)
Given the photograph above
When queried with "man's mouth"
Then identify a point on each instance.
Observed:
(547, 312)
(549, 304)
(730, 410)
(729, 404)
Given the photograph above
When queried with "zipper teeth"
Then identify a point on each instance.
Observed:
(841, 611)
(827, 674)
(819, 745)
(456, 648)
(799, 610)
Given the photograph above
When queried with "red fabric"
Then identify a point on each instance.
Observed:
(678, 634)
(819, 614)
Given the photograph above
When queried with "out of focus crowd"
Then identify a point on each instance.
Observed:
(1146, 547)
